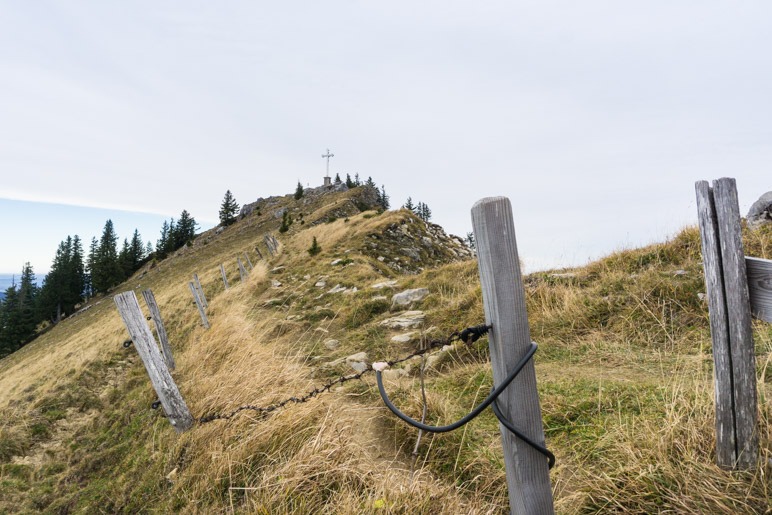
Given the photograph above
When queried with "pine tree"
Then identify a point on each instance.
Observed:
(124, 260)
(383, 198)
(470, 241)
(228, 209)
(136, 251)
(356, 180)
(18, 313)
(162, 245)
(315, 248)
(423, 212)
(105, 270)
(337, 178)
(349, 183)
(371, 183)
(185, 231)
(299, 191)
(286, 221)
(65, 284)
(409, 204)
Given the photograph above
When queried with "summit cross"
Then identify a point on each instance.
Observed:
(328, 155)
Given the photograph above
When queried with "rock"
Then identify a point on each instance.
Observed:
(335, 262)
(217, 231)
(565, 275)
(403, 338)
(320, 284)
(332, 344)
(381, 259)
(411, 253)
(306, 277)
(702, 297)
(275, 283)
(321, 330)
(337, 289)
(358, 361)
(277, 270)
(407, 320)
(678, 273)
(392, 374)
(385, 284)
(760, 212)
(379, 297)
(409, 297)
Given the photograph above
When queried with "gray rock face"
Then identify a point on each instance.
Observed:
(407, 320)
(760, 212)
(403, 338)
(409, 297)
(332, 344)
(358, 361)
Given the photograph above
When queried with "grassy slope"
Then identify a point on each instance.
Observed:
(624, 373)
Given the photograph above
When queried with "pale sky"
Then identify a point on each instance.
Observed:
(595, 118)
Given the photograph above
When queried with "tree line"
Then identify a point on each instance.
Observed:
(75, 276)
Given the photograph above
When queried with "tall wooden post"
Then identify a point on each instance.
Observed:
(249, 261)
(730, 322)
(530, 492)
(257, 251)
(224, 277)
(200, 306)
(163, 384)
(242, 270)
(160, 329)
(200, 291)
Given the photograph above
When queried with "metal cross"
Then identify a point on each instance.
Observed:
(328, 155)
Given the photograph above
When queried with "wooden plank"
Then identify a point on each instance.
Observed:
(224, 277)
(160, 329)
(528, 479)
(726, 451)
(242, 270)
(163, 384)
(739, 316)
(200, 306)
(200, 291)
(760, 287)
(249, 262)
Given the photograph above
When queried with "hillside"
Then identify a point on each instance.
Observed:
(624, 371)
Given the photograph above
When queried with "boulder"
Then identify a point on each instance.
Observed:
(332, 344)
(409, 297)
(760, 212)
(403, 338)
(384, 284)
(358, 361)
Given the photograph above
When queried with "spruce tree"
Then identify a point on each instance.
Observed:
(383, 198)
(228, 209)
(337, 179)
(299, 191)
(286, 221)
(185, 231)
(162, 245)
(315, 248)
(349, 183)
(409, 204)
(105, 270)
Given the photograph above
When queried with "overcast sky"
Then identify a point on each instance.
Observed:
(595, 118)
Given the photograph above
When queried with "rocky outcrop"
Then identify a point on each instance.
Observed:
(760, 212)
(408, 297)
(407, 320)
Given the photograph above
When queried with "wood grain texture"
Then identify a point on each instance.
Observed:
(224, 277)
(739, 316)
(242, 270)
(160, 329)
(528, 479)
(201, 311)
(726, 451)
(200, 291)
(760, 287)
(163, 384)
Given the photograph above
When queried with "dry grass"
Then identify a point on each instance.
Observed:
(624, 372)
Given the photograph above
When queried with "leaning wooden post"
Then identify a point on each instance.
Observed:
(242, 270)
(200, 291)
(224, 277)
(163, 384)
(249, 261)
(740, 329)
(267, 242)
(528, 478)
(726, 452)
(259, 254)
(201, 311)
(160, 329)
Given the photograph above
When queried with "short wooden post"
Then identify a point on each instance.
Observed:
(160, 329)
(259, 254)
(249, 262)
(730, 320)
(163, 384)
(200, 306)
(530, 492)
(242, 270)
(760, 287)
(275, 243)
(224, 277)
(268, 244)
(200, 291)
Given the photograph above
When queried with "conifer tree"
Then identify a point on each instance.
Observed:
(409, 204)
(315, 248)
(337, 178)
(349, 183)
(162, 245)
(65, 284)
(185, 231)
(299, 191)
(286, 221)
(423, 212)
(356, 180)
(228, 209)
(18, 313)
(383, 198)
(105, 270)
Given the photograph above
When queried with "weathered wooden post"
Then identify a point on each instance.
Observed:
(249, 261)
(268, 244)
(160, 329)
(259, 254)
(201, 311)
(163, 384)
(224, 277)
(726, 282)
(242, 270)
(530, 492)
(200, 291)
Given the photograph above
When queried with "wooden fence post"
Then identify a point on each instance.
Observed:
(730, 321)
(528, 479)
(267, 242)
(249, 261)
(160, 329)
(224, 277)
(163, 384)
(200, 291)
(242, 270)
(201, 311)
(259, 254)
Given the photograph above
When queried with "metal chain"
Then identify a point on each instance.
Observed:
(468, 336)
